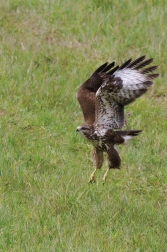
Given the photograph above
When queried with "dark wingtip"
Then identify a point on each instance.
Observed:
(105, 67)
(125, 64)
(109, 66)
(99, 69)
(113, 70)
(136, 132)
(152, 76)
(136, 62)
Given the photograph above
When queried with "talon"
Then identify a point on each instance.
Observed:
(104, 180)
(92, 177)
(105, 176)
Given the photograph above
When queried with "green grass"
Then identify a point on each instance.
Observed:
(47, 49)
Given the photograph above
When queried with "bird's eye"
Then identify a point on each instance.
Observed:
(84, 128)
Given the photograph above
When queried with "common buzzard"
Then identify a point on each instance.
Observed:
(102, 99)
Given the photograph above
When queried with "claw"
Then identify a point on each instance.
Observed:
(92, 177)
(105, 176)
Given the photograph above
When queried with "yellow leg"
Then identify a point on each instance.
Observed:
(105, 176)
(92, 176)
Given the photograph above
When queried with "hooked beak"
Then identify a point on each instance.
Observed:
(78, 129)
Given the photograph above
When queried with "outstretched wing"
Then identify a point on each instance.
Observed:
(121, 87)
(86, 93)
(136, 79)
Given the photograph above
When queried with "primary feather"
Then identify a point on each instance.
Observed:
(133, 79)
(120, 89)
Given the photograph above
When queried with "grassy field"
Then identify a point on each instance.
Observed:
(47, 49)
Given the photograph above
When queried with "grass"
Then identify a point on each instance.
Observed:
(47, 49)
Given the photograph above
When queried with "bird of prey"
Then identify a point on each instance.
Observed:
(102, 99)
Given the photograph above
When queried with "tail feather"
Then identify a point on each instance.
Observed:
(129, 132)
(119, 137)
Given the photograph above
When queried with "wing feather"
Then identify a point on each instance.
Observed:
(135, 79)
(109, 113)
(142, 64)
(127, 82)
(86, 94)
(99, 69)
(108, 67)
(137, 62)
(103, 96)
(126, 64)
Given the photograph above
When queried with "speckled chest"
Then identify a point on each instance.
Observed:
(97, 142)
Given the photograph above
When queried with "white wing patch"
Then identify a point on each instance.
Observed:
(134, 85)
(130, 77)
(120, 88)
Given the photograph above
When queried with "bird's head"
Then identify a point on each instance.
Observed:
(84, 130)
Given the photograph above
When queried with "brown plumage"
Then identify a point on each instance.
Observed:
(102, 99)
